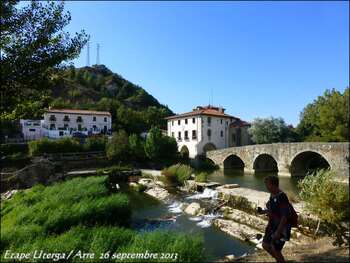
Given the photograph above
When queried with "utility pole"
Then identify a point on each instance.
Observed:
(98, 54)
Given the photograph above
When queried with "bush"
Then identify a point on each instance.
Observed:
(177, 173)
(329, 201)
(64, 145)
(201, 177)
(13, 149)
(95, 144)
(137, 152)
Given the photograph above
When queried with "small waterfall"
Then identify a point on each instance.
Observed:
(175, 207)
(207, 220)
(207, 194)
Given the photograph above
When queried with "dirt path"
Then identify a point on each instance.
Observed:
(320, 250)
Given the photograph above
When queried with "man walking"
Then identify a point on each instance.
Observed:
(278, 228)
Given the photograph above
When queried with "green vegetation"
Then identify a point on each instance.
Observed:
(81, 214)
(33, 46)
(329, 201)
(327, 118)
(201, 177)
(13, 148)
(271, 130)
(177, 174)
(118, 149)
(66, 145)
(160, 148)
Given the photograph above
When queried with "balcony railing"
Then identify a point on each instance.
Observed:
(66, 119)
(79, 119)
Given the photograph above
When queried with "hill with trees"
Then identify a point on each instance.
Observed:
(98, 88)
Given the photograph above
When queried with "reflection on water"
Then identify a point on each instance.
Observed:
(253, 180)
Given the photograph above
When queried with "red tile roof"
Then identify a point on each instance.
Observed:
(239, 123)
(206, 110)
(81, 112)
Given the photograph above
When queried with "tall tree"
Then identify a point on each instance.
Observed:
(269, 130)
(327, 118)
(33, 47)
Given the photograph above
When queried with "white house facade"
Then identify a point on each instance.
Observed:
(204, 128)
(31, 129)
(66, 122)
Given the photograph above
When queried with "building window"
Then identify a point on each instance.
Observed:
(94, 127)
(52, 126)
(52, 118)
(209, 132)
(66, 118)
(79, 127)
(186, 135)
(222, 133)
(172, 134)
(194, 134)
(79, 119)
(185, 121)
(179, 136)
(233, 137)
(65, 126)
(32, 130)
(105, 119)
(193, 120)
(172, 123)
(209, 121)
(179, 122)
(220, 121)
(94, 118)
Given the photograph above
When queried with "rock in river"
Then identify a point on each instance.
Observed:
(193, 209)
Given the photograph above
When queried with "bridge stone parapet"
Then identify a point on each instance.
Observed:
(286, 158)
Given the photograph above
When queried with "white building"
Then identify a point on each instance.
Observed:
(65, 122)
(31, 129)
(206, 128)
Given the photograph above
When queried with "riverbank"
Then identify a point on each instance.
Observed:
(320, 250)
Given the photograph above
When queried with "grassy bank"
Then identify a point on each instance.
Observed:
(81, 214)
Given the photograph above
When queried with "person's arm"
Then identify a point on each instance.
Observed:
(277, 234)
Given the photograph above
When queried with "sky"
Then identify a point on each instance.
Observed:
(256, 59)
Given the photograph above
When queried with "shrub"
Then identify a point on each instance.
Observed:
(44, 145)
(178, 173)
(137, 152)
(328, 200)
(201, 177)
(95, 143)
(13, 149)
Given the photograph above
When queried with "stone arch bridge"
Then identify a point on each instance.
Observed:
(289, 159)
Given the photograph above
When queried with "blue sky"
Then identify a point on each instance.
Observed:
(258, 59)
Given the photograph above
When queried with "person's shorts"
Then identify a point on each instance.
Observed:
(277, 244)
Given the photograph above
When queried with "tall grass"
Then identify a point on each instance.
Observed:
(178, 173)
(81, 214)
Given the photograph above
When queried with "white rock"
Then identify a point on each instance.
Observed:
(158, 193)
(193, 209)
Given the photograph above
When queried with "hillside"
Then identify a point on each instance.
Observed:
(98, 88)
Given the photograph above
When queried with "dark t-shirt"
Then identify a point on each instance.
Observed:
(278, 206)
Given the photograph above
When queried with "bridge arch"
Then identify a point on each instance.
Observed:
(233, 162)
(209, 147)
(308, 161)
(265, 163)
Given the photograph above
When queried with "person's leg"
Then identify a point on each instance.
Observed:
(277, 254)
(268, 249)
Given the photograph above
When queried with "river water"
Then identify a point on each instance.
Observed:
(253, 180)
(150, 214)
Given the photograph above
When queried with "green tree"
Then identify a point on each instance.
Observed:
(137, 152)
(160, 148)
(269, 130)
(329, 201)
(33, 46)
(118, 149)
(327, 118)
